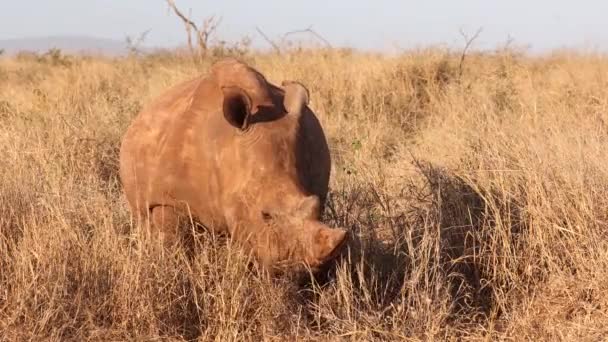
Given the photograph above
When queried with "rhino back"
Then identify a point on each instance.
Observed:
(152, 136)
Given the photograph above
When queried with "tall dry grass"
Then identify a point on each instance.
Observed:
(477, 198)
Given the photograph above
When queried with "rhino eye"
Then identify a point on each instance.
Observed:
(266, 216)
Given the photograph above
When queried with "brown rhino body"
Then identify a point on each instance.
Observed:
(238, 155)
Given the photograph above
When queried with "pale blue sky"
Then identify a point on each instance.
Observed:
(364, 24)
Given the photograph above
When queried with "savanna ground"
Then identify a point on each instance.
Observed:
(477, 197)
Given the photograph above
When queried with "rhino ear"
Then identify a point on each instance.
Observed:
(236, 107)
(327, 242)
(296, 96)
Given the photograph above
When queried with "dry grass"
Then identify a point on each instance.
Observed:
(479, 204)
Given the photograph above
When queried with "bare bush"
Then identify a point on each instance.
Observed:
(202, 33)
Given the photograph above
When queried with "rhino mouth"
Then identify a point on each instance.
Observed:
(336, 252)
(325, 270)
(317, 265)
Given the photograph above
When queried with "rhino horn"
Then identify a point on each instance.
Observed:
(328, 243)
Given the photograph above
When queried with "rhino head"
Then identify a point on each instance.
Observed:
(283, 170)
(290, 237)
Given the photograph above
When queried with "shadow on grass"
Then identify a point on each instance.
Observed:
(440, 217)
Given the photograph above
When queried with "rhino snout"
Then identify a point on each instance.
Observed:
(326, 245)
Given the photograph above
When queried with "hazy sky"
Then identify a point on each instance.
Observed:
(365, 24)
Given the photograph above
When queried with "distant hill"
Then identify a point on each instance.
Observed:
(68, 44)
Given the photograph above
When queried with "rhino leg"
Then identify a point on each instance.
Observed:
(166, 221)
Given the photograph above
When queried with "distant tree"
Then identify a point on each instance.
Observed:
(54, 56)
(1, 52)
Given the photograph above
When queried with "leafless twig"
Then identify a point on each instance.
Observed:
(310, 31)
(210, 24)
(270, 41)
(133, 45)
(203, 34)
(277, 47)
(468, 41)
(509, 41)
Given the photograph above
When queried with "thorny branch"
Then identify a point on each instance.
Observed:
(270, 41)
(277, 47)
(308, 30)
(133, 45)
(209, 26)
(468, 41)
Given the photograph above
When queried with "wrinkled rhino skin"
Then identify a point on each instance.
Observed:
(238, 155)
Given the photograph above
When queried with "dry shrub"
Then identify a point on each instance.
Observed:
(476, 202)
